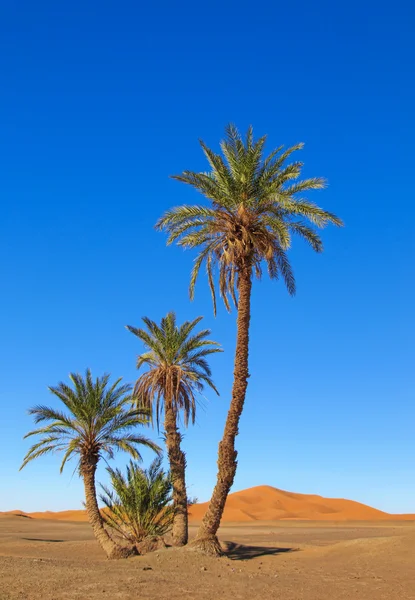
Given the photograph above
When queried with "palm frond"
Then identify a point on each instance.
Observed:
(139, 503)
(99, 420)
(176, 366)
(254, 208)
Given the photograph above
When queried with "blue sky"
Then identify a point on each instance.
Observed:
(100, 103)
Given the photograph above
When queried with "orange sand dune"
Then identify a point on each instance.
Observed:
(64, 515)
(265, 503)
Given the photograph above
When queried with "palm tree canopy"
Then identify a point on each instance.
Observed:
(140, 502)
(99, 419)
(256, 207)
(176, 365)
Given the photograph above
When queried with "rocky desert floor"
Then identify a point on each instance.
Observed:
(292, 560)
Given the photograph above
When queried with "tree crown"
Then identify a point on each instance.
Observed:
(256, 207)
(176, 364)
(99, 419)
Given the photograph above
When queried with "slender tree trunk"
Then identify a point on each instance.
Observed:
(177, 462)
(206, 540)
(112, 550)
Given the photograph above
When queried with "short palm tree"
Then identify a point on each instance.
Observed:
(177, 370)
(255, 207)
(140, 502)
(99, 420)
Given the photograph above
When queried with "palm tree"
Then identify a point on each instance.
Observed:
(177, 370)
(99, 421)
(255, 206)
(140, 503)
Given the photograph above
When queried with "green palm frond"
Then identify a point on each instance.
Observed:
(99, 419)
(139, 503)
(254, 211)
(176, 365)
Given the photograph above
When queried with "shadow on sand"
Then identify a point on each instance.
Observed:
(242, 552)
(42, 540)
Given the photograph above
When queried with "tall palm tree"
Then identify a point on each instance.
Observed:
(255, 207)
(99, 420)
(177, 370)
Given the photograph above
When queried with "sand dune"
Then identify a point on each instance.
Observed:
(266, 503)
(64, 515)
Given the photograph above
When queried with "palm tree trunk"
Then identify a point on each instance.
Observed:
(177, 462)
(206, 539)
(112, 550)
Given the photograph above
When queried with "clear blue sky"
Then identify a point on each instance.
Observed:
(100, 103)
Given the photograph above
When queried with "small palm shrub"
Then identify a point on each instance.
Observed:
(140, 503)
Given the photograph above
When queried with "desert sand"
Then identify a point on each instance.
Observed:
(43, 559)
(264, 503)
(279, 545)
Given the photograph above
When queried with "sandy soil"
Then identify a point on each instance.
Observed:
(291, 560)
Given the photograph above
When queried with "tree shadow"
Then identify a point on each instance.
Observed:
(243, 552)
(42, 540)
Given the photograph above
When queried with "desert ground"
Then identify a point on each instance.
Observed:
(292, 560)
(278, 545)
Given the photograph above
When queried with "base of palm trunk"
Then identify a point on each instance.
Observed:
(122, 552)
(179, 533)
(208, 545)
(151, 543)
